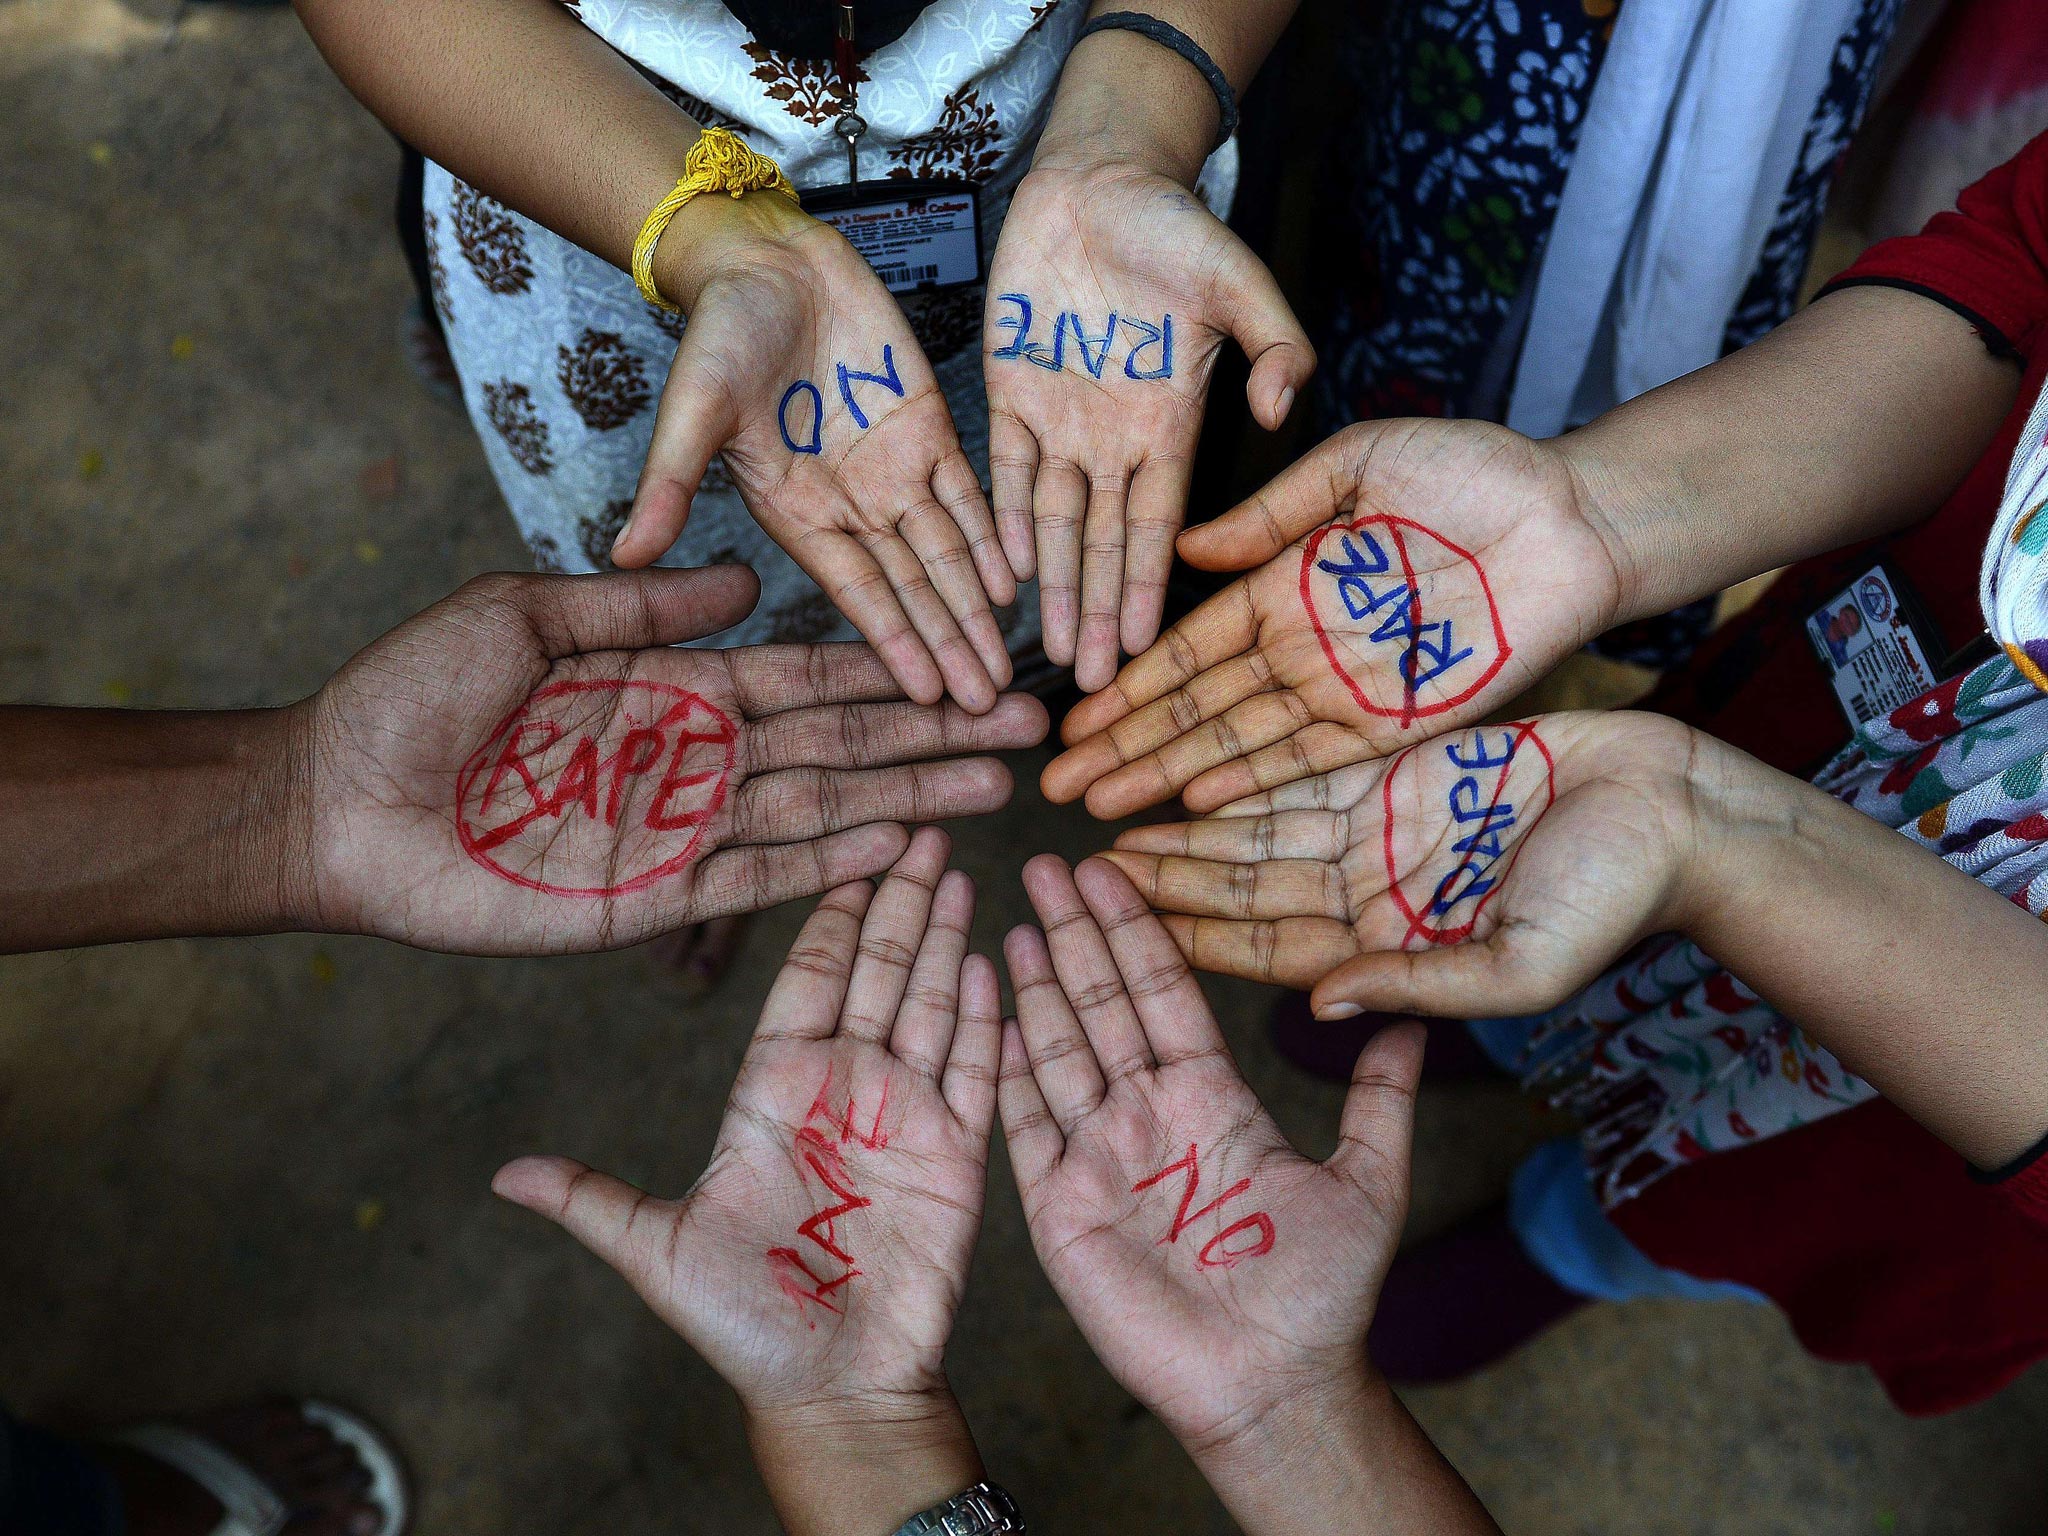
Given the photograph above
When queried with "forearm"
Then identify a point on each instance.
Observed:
(122, 825)
(1348, 1458)
(1853, 419)
(1925, 983)
(1123, 97)
(863, 1471)
(521, 100)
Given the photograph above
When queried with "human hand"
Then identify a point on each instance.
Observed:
(819, 1261)
(1111, 293)
(532, 766)
(1463, 562)
(800, 367)
(1219, 1274)
(1489, 871)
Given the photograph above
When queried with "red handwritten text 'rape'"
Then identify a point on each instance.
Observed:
(821, 1145)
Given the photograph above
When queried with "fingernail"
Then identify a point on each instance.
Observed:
(621, 537)
(1286, 401)
(1331, 1013)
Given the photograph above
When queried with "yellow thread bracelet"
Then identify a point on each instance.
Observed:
(719, 161)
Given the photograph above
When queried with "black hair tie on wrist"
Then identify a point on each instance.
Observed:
(1167, 35)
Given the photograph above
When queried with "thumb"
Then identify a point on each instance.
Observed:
(1377, 1132)
(631, 610)
(1316, 487)
(1458, 981)
(596, 1209)
(697, 415)
(1256, 313)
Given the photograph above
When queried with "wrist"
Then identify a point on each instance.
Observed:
(1741, 815)
(1633, 514)
(1279, 1462)
(715, 232)
(861, 1464)
(1098, 122)
(279, 856)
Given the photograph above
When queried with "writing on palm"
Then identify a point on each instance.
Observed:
(1407, 852)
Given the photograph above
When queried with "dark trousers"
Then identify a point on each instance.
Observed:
(53, 1487)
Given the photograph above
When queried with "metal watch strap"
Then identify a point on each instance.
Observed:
(986, 1509)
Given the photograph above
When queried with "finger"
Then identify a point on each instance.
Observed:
(608, 1216)
(930, 1014)
(800, 803)
(1062, 1061)
(855, 581)
(1158, 506)
(1179, 1025)
(771, 678)
(1102, 585)
(697, 414)
(1224, 626)
(877, 735)
(1013, 470)
(1317, 748)
(1059, 504)
(1292, 952)
(1255, 312)
(623, 610)
(955, 575)
(1462, 981)
(1132, 739)
(810, 989)
(1257, 722)
(975, 1058)
(966, 678)
(891, 936)
(1342, 790)
(1269, 889)
(1029, 1130)
(1377, 1132)
(754, 879)
(1087, 971)
(1321, 835)
(960, 493)
(1313, 489)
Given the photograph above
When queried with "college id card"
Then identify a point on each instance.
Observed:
(1873, 645)
(915, 234)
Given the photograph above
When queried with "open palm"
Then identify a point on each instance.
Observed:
(1213, 1268)
(1110, 295)
(801, 368)
(1488, 871)
(822, 1255)
(1416, 575)
(532, 766)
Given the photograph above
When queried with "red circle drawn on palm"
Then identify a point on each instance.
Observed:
(1418, 924)
(1398, 531)
(678, 718)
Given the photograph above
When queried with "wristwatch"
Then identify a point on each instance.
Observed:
(983, 1510)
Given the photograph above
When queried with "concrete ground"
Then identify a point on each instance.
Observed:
(233, 1167)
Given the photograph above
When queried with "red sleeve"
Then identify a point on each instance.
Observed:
(1987, 259)
(2024, 1183)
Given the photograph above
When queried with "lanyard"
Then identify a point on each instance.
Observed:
(846, 65)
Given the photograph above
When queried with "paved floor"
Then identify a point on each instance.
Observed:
(239, 1166)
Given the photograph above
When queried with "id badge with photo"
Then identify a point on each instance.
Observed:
(1876, 646)
(917, 235)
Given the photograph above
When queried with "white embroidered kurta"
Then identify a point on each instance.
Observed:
(562, 363)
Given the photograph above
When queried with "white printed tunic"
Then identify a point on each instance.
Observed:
(562, 363)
